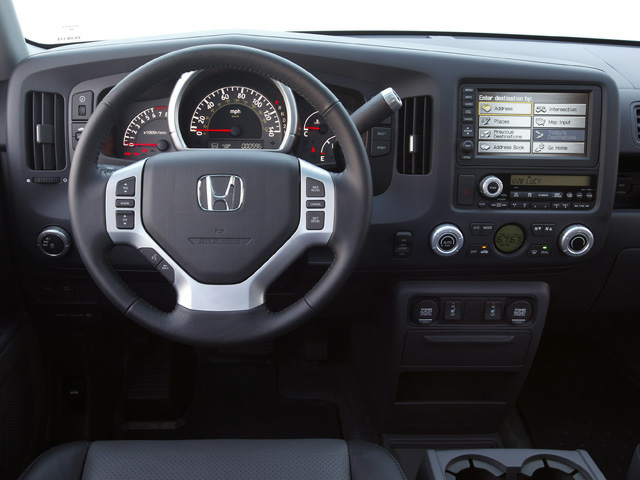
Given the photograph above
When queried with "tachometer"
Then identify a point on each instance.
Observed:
(147, 133)
(237, 117)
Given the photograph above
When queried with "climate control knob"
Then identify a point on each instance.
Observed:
(491, 186)
(575, 240)
(446, 240)
(54, 241)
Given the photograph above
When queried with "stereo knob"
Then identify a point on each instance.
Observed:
(446, 240)
(575, 240)
(54, 241)
(491, 186)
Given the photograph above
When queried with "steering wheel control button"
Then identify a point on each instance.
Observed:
(402, 244)
(493, 310)
(315, 220)
(125, 220)
(167, 271)
(453, 310)
(151, 255)
(54, 241)
(315, 203)
(519, 312)
(126, 187)
(491, 187)
(446, 240)
(315, 188)
(425, 312)
(125, 203)
(575, 240)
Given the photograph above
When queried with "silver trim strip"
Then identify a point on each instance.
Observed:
(242, 296)
(180, 88)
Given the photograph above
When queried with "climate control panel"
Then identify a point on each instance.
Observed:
(535, 240)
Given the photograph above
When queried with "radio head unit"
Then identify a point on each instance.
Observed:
(554, 126)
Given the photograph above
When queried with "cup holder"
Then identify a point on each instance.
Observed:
(508, 464)
(549, 469)
(473, 469)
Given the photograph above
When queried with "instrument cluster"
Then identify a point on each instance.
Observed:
(226, 109)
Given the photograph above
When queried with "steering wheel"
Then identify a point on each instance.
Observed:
(219, 225)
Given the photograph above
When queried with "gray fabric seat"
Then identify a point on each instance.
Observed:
(309, 459)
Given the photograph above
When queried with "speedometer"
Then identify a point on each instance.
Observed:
(232, 110)
(237, 117)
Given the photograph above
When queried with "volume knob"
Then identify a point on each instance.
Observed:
(491, 186)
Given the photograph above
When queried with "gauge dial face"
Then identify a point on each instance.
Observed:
(237, 117)
(147, 134)
(317, 140)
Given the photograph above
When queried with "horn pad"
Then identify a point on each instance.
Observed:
(221, 214)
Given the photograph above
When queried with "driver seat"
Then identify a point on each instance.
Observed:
(309, 459)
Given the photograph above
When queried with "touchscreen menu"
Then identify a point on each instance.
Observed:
(532, 123)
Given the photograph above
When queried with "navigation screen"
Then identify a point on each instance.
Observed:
(532, 123)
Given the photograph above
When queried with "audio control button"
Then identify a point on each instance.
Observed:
(491, 186)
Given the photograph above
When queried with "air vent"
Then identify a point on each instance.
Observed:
(636, 119)
(414, 136)
(46, 127)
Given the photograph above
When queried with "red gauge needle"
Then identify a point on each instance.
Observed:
(313, 128)
(143, 144)
(213, 130)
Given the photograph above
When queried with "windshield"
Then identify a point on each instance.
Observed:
(69, 21)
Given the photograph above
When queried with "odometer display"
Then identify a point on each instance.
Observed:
(237, 117)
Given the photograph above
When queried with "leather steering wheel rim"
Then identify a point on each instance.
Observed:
(87, 197)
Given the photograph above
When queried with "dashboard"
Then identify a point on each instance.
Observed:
(502, 163)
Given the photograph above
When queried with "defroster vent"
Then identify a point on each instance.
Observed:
(46, 127)
(414, 136)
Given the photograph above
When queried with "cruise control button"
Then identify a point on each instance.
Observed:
(125, 220)
(315, 204)
(315, 220)
(167, 271)
(315, 188)
(126, 187)
(151, 255)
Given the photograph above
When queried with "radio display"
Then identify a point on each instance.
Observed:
(551, 180)
(528, 124)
